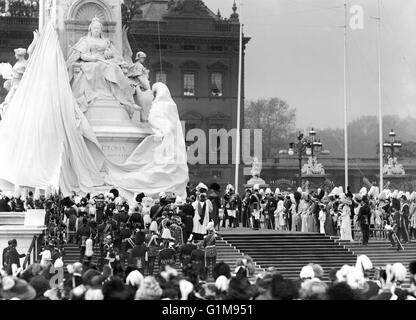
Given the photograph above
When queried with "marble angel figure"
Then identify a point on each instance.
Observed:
(13, 75)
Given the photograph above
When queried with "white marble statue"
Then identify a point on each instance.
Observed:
(393, 167)
(47, 141)
(13, 75)
(139, 76)
(100, 71)
(313, 167)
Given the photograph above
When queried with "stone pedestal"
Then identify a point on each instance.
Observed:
(256, 180)
(116, 132)
(23, 234)
(316, 181)
(12, 218)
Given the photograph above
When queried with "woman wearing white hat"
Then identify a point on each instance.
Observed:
(345, 229)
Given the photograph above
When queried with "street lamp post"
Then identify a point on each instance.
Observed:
(392, 147)
(304, 145)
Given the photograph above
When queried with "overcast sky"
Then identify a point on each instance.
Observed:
(296, 53)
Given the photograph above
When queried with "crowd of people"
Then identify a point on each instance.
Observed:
(19, 8)
(135, 249)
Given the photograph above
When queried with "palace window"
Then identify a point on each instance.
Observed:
(216, 84)
(161, 76)
(189, 84)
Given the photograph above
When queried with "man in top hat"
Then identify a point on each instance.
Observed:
(231, 208)
(255, 207)
(246, 210)
(4, 202)
(157, 209)
(215, 198)
(405, 212)
(270, 208)
(14, 257)
(203, 210)
(363, 217)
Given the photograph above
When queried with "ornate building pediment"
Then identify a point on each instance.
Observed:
(191, 115)
(190, 65)
(166, 66)
(219, 116)
(217, 66)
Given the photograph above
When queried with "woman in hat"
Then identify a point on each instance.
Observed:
(345, 229)
(152, 241)
(210, 248)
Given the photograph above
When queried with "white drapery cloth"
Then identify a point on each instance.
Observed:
(160, 162)
(46, 141)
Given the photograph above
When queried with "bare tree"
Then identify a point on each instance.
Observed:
(277, 120)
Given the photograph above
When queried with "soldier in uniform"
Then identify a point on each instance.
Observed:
(231, 206)
(215, 198)
(185, 252)
(271, 205)
(255, 201)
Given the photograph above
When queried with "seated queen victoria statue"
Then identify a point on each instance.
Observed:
(96, 71)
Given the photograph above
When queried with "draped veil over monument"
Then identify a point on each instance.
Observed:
(47, 141)
(160, 161)
(45, 138)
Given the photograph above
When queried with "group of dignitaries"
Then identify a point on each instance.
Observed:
(145, 233)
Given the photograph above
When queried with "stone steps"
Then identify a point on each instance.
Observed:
(289, 252)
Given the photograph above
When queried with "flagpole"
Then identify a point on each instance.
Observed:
(345, 100)
(379, 99)
(238, 134)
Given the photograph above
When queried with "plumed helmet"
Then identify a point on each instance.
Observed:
(363, 191)
(20, 51)
(201, 187)
(210, 226)
(229, 188)
(307, 273)
(374, 192)
(413, 196)
(363, 263)
(268, 191)
(256, 187)
(277, 191)
(399, 272)
(140, 54)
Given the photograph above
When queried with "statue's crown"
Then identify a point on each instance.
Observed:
(95, 19)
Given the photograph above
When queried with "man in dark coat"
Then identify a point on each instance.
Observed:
(187, 215)
(185, 252)
(404, 212)
(157, 209)
(215, 198)
(363, 217)
(4, 204)
(14, 257)
(6, 253)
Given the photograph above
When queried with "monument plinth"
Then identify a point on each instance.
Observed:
(117, 133)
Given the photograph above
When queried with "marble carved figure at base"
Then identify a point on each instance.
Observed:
(13, 75)
(139, 77)
(47, 141)
(96, 71)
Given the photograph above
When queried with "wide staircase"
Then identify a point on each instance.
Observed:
(288, 252)
(380, 253)
(225, 253)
